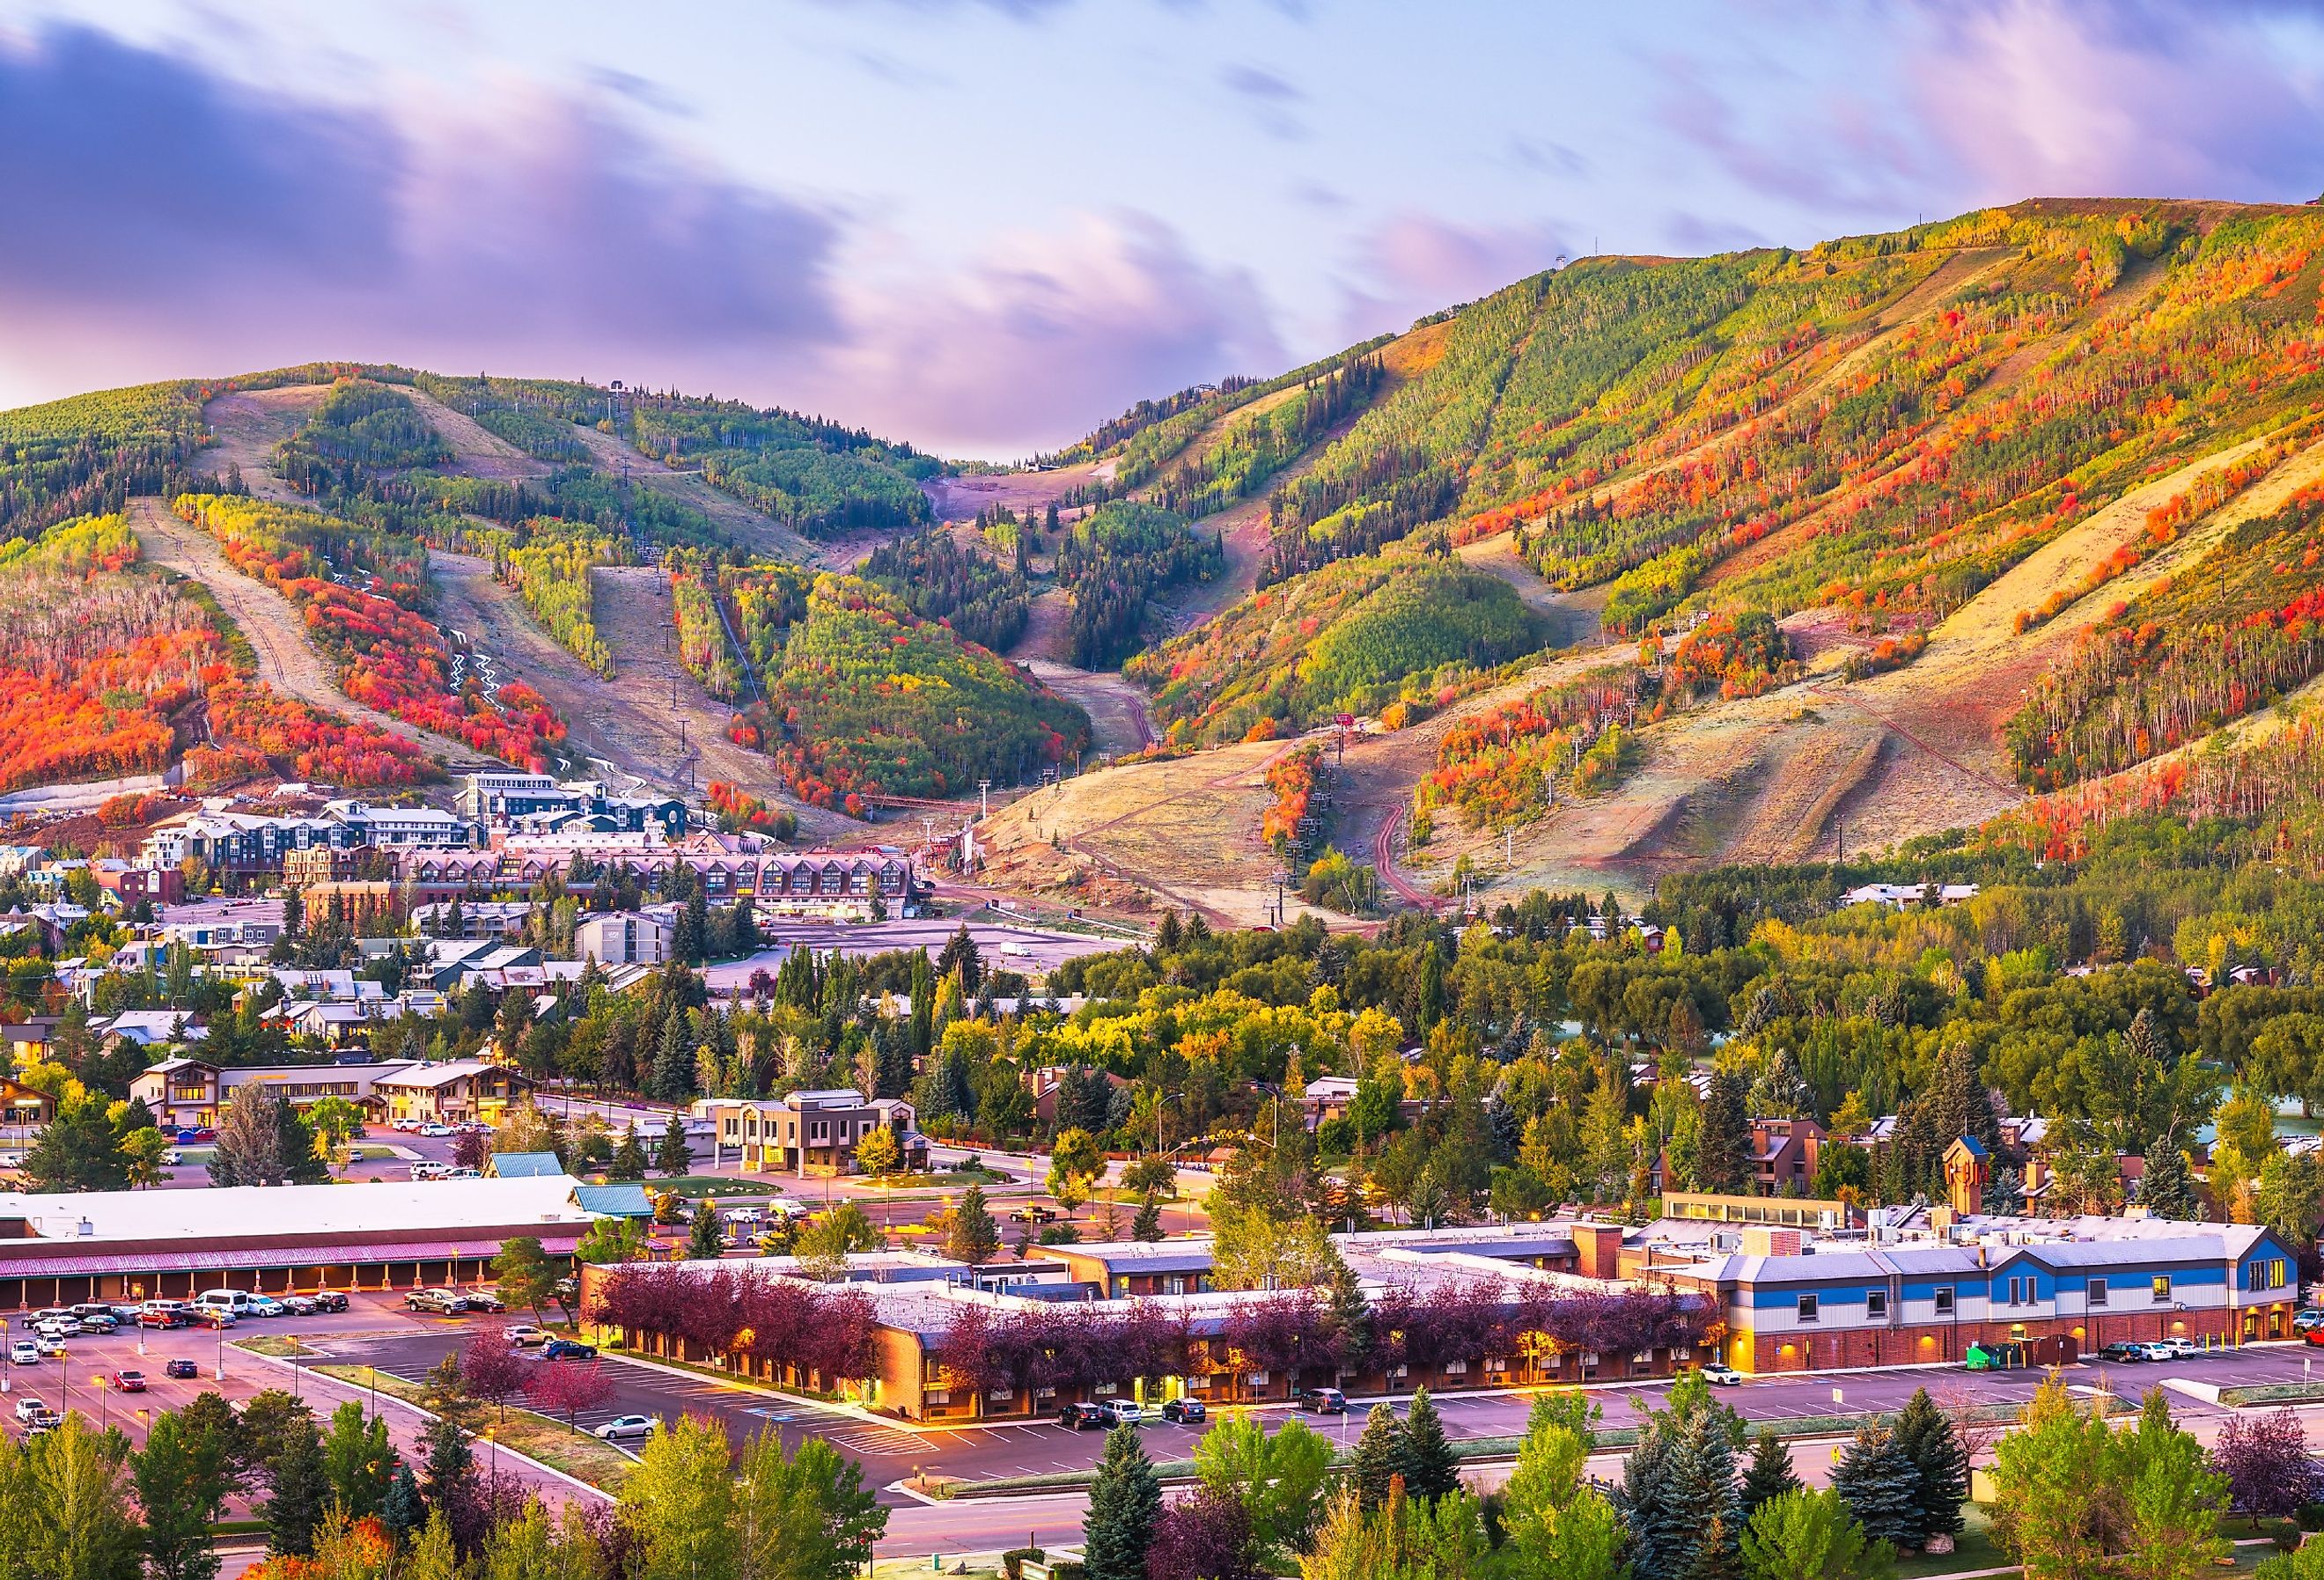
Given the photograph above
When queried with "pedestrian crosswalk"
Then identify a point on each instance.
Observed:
(875, 1441)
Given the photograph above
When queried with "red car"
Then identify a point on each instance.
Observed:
(122, 1381)
(160, 1319)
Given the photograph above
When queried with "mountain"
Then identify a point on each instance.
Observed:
(1850, 545)
(1638, 565)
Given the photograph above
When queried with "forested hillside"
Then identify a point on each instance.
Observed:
(1856, 441)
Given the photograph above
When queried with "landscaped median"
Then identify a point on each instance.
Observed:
(522, 1431)
(535, 1435)
(1468, 1450)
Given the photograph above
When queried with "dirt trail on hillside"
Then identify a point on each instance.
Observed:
(246, 426)
(476, 452)
(1573, 618)
(1119, 720)
(287, 660)
(626, 722)
(965, 498)
(759, 533)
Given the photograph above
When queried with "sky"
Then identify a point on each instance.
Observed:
(984, 226)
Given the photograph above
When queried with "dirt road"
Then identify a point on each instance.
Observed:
(287, 660)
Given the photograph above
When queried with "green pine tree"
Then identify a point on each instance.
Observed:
(1379, 1457)
(402, 1511)
(629, 1158)
(1941, 1462)
(706, 1240)
(1704, 1495)
(1769, 1475)
(1125, 1505)
(1148, 1224)
(1881, 1485)
(672, 1157)
(1425, 1457)
(2167, 1188)
(974, 1238)
(183, 1477)
(303, 1490)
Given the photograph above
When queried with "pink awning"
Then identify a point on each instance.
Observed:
(71, 1267)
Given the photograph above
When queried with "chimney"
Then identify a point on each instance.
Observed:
(1599, 1250)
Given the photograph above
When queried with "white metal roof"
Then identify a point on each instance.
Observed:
(402, 1206)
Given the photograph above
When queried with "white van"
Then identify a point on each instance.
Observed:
(237, 1301)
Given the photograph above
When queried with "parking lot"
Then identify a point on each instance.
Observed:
(378, 1331)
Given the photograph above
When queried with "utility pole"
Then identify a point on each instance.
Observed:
(984, 798)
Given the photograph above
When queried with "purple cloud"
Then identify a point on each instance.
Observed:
(185, 216)
(1416, 264)
(1049, 328)
(2040, 98)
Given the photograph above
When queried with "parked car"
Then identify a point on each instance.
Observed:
(1033, 1213)
(52, 1349)
(1323, 1401)
(328, 1299)
(196, 1136)
(171, 1158)
(28, 1406)
(525, 1333)
(46, 1421)
(442, 1302)
(1186, 1411)
(436, 1130)
(2176, 1349)
(126, 1312)
(1081, 1417)
(481, 1300)
(2308, 1320)
(99, 1322)
(2158, 1350)
(621, 1426)
(211, 1317)
(568, 1349)
(65, 1327)
(180, 1367)
(122, 1381)
(1720, 1375)
(161, 1319)
(2126, 1351)
(23, 1352)
(404, 1123)
(1125, 1412)
(267, 1306)
(11, 1159)
(300, 1305)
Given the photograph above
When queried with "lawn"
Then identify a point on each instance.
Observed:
(1973, 1549)
(718, 1185)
